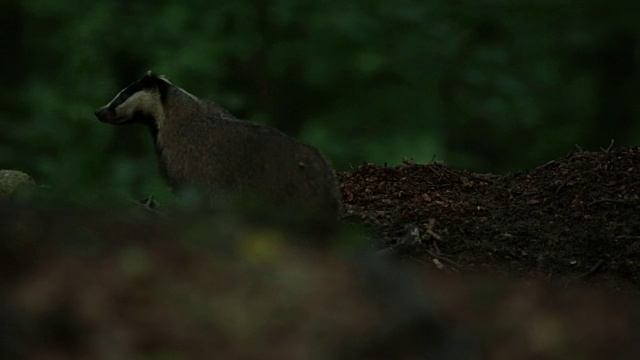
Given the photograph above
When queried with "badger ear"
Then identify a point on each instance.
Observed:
(157, 76)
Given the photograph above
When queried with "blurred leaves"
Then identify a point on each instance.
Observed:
(490, 86)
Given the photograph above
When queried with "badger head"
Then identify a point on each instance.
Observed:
(140, 102)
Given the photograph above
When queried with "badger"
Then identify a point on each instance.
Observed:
(200, 144)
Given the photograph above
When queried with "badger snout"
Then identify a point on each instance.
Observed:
(104, 115)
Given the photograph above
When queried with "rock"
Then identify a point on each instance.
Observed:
(10, 180)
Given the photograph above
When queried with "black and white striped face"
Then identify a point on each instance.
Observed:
(142, 101)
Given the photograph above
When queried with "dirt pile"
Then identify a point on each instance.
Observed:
(576, 219)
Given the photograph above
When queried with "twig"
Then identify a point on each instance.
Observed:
(609, 148)
(437, 185)
(482, 178)
(435, 246)
(443, 258)
(418, 260)
(628, 237)
(547, 164)
(432, 169)
(624, 202)
(433, 234)
(592, 270)
(565, 182)
(527, 194)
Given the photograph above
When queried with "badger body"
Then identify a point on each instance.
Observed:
(201, 144)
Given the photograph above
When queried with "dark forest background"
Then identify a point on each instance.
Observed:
(490, 86)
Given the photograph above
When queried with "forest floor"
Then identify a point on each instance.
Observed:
(572, 223)
(542, 264)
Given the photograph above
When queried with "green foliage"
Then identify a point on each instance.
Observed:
(490, 86)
